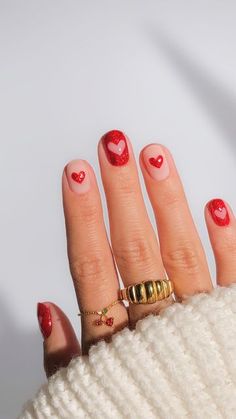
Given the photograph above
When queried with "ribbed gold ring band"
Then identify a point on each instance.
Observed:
(147, 292)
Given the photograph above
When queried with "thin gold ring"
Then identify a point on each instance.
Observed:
(147, 292)
(103, 317)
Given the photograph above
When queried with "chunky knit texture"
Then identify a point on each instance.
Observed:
(180, 364)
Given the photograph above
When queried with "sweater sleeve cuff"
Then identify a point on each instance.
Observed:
(179, 364)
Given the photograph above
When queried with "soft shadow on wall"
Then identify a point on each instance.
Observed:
(219, 102)
(20, 356)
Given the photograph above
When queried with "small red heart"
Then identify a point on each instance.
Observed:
(78, 177)
(109, 321)
(157, 162)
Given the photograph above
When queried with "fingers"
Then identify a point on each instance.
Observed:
(90, 258)
(221, 226)
(181, 249)
(134, 242)
(135, 246)
(60, 342)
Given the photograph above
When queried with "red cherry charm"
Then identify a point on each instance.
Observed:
(109, 321)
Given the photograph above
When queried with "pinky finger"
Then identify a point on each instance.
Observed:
(221, 224)
(60, 343)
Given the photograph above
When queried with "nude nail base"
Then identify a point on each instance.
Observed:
(155, 162)
(77, 174)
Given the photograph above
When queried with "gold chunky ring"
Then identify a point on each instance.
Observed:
(147, 292)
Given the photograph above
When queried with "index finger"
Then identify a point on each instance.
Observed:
(91, 262)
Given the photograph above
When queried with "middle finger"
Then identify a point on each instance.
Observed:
(134, 242)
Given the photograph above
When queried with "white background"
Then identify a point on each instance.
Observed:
(70, 70)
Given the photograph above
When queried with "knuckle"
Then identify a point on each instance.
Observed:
(170, 200)
(133, 252)
(127, 187)
(88, 214)
(88, 268)
(172, 197)
(183, 258)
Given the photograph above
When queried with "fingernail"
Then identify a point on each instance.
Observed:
(78, 176)
(44, 319)
(219, 212)
(116, 147)
(155, 162)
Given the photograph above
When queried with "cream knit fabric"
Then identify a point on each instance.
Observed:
(180, 364)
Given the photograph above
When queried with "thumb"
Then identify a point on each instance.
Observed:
(60, 342)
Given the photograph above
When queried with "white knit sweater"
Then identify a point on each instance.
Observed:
(180, 364)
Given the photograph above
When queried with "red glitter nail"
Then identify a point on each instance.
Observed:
(78, 177)
(156, 161)
(219, 212)
(116, 148)
(44, 319)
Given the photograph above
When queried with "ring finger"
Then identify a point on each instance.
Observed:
(181, 249)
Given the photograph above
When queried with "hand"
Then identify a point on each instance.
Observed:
(135, 247)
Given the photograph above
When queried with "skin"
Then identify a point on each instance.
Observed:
(139, 253)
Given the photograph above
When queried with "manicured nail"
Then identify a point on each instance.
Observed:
(78, 176)
(219, 212)
(116, 147)
(44, 319)
(155, 162)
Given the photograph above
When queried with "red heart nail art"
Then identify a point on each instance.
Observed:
(116, 148)
(219, 212)
(78, 177)
(156, 161)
